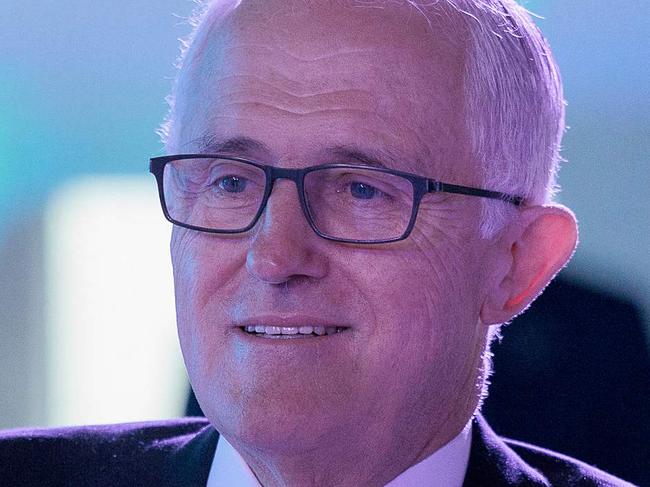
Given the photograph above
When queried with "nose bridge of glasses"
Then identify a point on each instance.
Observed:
(284, 173)
(291, 197)
(276, 173)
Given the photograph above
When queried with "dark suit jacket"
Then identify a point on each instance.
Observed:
(577, 363)
(179, 453)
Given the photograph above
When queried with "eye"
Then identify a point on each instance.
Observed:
(232, 184)
(362, 190)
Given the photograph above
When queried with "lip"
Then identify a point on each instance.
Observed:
(294, 320)
(296, 340)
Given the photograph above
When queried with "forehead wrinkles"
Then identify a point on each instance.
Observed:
(393, 45)
(379, 70)
(259, 74)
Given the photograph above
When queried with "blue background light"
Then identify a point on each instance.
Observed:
(82, 89)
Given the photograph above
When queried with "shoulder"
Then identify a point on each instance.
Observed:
(563, 470)
(141, 436)
(94, 455)
(496, 461)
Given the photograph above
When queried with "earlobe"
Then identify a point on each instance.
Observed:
(529, 255)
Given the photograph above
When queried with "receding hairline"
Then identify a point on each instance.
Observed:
(214, 18)
(441, 19)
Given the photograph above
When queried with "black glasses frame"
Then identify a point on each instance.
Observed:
(421, 186)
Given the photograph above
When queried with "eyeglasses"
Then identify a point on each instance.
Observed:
(342, 202)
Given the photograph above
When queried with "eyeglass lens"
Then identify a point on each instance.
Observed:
(344, 203)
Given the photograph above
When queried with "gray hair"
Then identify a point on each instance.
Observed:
(514, 102)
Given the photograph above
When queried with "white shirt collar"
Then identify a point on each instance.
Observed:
(445, 467)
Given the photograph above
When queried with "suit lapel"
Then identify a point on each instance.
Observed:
(492, 463)
(190, 464)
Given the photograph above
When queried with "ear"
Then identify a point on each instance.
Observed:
(526, 256)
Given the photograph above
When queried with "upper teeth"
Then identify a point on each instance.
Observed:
(293, 330)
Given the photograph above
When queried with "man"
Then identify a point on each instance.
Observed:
(361, 196)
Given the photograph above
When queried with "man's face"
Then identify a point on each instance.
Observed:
(302, 80)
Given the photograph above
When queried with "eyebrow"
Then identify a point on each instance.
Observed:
(233, 144)
(381, 158)
(351, 152)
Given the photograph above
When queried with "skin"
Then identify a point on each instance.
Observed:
(406, 377)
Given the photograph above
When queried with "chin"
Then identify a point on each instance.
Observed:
(256, 426)
(281, 413)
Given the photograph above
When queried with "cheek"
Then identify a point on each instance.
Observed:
(431, 279)
(448, 246)
(425, 301)
(203, 266)
(184, 265)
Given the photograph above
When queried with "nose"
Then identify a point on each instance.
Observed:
(284, 246)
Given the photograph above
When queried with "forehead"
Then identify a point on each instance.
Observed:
(298, 76)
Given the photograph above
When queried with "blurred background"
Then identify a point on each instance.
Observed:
(87, 331)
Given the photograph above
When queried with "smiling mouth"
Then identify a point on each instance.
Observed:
(264, 331)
